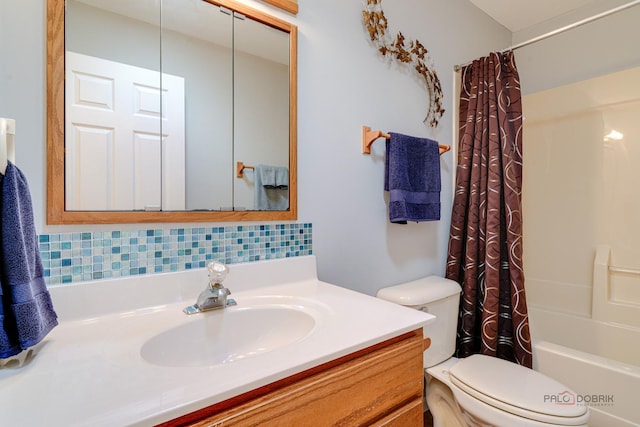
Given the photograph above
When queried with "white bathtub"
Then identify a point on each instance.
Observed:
(598, 361)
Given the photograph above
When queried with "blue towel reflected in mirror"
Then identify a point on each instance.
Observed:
(271, 188)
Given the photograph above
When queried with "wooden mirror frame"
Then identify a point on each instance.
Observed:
(56, 213)
(290, 6)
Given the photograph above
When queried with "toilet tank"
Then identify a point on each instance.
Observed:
(437, 296)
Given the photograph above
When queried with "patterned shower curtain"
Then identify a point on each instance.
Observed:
(485, 243)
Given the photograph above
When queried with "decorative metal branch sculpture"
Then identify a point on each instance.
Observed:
(412, 52)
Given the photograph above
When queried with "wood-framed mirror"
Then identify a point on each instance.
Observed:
(249, 124)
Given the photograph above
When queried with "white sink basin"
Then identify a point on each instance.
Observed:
(223, 336)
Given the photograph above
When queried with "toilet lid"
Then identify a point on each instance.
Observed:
(518, 390)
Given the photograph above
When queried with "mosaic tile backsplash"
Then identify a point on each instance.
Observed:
(74, 257)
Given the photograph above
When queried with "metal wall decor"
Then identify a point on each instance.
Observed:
(410, 52)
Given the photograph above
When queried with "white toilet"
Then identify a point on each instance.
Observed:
(479, 390)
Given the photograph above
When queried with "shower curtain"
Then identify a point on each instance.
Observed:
(485, 242)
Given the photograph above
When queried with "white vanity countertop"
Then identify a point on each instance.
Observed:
(90, 372)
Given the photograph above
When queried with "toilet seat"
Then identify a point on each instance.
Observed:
(518, 390)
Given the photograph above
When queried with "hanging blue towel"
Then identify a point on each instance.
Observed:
(267, 195)
(274, 177)
(412, 177)
(267, 175)
(282, 178)
(26, 311)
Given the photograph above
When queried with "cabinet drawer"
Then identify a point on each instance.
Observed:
(410, 415)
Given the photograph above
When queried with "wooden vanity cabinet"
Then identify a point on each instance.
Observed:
(379, 386)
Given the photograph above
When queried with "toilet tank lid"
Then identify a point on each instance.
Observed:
(420, 292)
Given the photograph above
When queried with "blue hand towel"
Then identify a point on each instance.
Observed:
(282, 177)
(26, 311)
(274, 177)
(269, 197)
(412, 177)
(267, 175)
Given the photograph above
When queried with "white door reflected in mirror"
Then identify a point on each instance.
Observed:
(113, 122)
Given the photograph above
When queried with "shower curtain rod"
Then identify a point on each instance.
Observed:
(562, 29)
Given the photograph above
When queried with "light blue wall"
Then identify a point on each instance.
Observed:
(344, 84)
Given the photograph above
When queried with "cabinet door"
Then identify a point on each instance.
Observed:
(382, 387)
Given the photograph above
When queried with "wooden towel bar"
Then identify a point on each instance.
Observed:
(368, 136)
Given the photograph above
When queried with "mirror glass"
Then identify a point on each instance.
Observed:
(182, 107)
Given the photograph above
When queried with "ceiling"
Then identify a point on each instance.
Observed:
(516, 15)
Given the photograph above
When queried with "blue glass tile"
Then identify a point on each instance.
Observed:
(82, 256)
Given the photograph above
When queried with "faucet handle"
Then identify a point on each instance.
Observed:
(217, 272)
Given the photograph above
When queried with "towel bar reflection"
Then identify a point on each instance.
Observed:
(7, 145)
(240, 167)
(368, 136)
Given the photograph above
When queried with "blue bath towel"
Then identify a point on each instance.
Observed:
(412, 177)
(26, 310)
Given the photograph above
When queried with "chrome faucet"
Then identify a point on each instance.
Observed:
(215, 296)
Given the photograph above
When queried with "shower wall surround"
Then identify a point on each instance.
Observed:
(81, 256)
